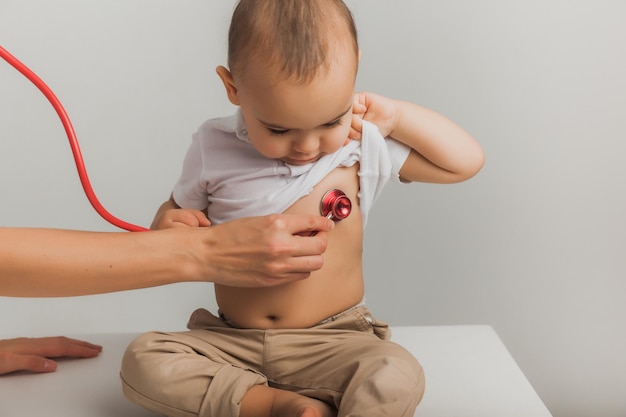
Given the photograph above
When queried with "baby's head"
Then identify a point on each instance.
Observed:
(295, 38)
(292, 70)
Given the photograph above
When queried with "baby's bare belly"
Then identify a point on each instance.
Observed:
(328, 291)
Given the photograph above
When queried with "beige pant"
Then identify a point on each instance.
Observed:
(346, 361)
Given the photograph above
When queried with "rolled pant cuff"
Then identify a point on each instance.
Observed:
(230, 384)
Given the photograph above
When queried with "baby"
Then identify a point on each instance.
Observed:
(308, 348)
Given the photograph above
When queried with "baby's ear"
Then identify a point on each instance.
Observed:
(229, 84)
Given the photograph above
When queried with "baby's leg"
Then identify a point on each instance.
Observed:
(264, 401)
(384, 380)
(183, 375)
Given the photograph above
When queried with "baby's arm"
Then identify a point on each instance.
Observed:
(171, 215)
(442, 151)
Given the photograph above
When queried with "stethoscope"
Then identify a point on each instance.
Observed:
(335, 205)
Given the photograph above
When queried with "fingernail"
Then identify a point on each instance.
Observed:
(49, 365)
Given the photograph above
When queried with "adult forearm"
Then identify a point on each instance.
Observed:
(252, 252)
(50, 263)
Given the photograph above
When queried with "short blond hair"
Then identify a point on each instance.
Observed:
(296, 36)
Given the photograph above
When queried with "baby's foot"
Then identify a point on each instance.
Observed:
(289, 404)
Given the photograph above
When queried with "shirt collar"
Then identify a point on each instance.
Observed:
(241, 131)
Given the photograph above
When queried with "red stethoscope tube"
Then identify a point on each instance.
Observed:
(71, 135)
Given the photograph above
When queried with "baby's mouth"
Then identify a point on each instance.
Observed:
(292, 161)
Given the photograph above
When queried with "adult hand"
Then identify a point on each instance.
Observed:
(252, 252)
(266, 251)
(33, 354)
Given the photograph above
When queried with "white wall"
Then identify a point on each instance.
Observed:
(534, 245)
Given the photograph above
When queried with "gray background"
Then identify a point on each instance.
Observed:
(534, 245)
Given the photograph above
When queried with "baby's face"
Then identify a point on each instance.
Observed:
(294, 122)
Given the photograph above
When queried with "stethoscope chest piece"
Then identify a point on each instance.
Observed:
(335, 205)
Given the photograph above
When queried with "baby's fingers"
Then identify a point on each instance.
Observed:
(356, 127)
(196, 218)
(183, 218)
(359, 104)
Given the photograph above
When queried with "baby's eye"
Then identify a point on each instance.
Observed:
(277, 132)
(333, 123)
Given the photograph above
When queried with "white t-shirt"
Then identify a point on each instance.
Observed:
(226, 175)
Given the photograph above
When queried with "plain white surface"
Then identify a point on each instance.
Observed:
(534, 245)
(469, 373)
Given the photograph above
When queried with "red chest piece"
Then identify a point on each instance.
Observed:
(335, 205)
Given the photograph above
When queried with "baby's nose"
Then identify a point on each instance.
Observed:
(307, 144)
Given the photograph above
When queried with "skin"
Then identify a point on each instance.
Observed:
(23, 354)
(299, 123)
(262, 401)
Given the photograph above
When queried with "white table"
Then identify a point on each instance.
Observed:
(469, 372)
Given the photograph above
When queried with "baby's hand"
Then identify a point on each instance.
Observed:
(374, 108)
(178, 217)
